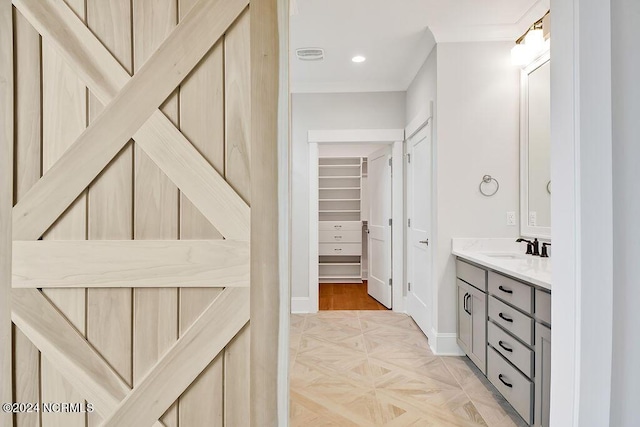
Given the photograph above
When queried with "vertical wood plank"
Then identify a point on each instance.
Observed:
(238, 105)
(6, 201)
(110, 205)
(237, 58)
(237, 371)
(28, 122)
(156, 204)
(202, 403)
(64, 118)
(265, 292)
(202, 122)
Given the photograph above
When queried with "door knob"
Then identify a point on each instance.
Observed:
(426, 242)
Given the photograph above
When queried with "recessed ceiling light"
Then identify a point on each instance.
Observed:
(358, 59)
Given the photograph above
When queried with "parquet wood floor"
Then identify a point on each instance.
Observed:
(375, 368)
(347, 296)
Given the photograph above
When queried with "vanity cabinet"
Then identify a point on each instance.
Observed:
(472, 314)
(512, 322)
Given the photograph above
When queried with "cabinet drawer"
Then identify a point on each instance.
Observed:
(340, 225)
(472, 275)
(511, 349)
(339, 236)
(515, 293)
(511, 319)
(543, 306)
(514, 386)
(340, 249)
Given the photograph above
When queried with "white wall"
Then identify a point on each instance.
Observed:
(625, 393)
(422, 89)
(380, 110)
(477, 133)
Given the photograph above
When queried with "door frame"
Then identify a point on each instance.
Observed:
(416, 126)
(393, 137)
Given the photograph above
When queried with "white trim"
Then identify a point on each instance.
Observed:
(301, 305)
(397, 226)
(444, 344)
(581, 141)
(356, 135)
(419, 121)
(526, 229)
(314, 268)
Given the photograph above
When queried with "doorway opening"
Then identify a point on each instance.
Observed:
(355, 192)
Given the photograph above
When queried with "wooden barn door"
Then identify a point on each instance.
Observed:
(138, 212)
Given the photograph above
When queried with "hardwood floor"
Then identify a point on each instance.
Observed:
(375, 368)
(347, 296)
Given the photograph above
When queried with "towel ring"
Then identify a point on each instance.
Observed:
(487, 179)
(549, 187)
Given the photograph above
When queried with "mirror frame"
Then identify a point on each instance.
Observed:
(527, 230)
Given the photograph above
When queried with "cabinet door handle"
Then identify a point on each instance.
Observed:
(504, 382)
(506, 291)
(501, 344)
(466, 303)
(506, 319)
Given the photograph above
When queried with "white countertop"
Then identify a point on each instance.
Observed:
(529, 268)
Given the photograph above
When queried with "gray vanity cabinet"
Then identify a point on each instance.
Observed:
(472, 314)
(504, 328)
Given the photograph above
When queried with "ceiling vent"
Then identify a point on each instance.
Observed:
(310, 54)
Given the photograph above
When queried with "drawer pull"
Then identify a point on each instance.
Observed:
(340, 249)
(510, 350)
(504, 382)
(506, 319)
(337, 237)
(337, 227)
(506, 291)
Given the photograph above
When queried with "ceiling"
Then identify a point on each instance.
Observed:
(395, 36)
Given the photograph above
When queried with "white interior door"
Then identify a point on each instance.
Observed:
(379, 284)
(419, 304)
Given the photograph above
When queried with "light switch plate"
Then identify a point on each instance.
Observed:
(511, 218)
(533, 218)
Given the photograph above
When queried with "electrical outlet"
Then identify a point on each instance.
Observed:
(533, 218)
(511, 218)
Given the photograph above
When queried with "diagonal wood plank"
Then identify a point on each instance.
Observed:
(104, 75)
(93, 150)
(127, 263)
(191, 354)
(68, 350)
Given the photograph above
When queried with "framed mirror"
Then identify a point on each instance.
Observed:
(535, 149)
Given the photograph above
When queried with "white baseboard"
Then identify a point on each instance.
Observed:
(444, 344)
(301, 305)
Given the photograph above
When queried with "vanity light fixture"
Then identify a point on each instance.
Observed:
(358, 59)
(531, 44)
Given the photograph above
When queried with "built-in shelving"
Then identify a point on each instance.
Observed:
(340, 204)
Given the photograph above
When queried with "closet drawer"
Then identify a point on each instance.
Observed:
(511, 319)
(338, 236)
(339, 225)
(471, 274)
(340, 249)
(512, 349)
(511, 291)
(514, 386)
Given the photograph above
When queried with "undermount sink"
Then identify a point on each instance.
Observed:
(504, 255)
